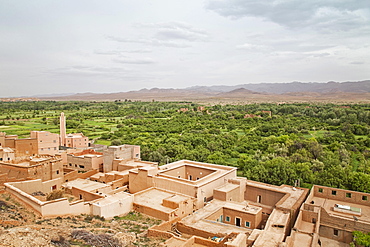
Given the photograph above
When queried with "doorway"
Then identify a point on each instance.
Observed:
(237, 221)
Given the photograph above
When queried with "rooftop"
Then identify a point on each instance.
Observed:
(328, 205)
(84, 184)
(154, 198)
(112, 199)
(199, 218)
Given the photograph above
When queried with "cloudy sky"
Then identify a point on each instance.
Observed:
(70, 46)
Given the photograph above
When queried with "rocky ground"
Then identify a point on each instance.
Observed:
(22, 227)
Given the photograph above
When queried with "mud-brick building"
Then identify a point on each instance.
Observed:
(6, 154)
(42, 167)
(39, 143)
(85, 160)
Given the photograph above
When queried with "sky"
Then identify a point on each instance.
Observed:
(76, 46)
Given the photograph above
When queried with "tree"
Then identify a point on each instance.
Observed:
(361, 238)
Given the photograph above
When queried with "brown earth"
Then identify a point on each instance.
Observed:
(240, 96)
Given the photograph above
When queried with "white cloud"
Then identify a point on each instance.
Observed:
(338, 15)
(146, 60)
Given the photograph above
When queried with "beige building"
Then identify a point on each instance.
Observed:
(6, 154)
(76, 140)
(329, 216)
(42, 167)
(115, 156)
(202, 204)
(191, 178)
(82, 197)
(47, 143)
(39, 143)
(162, 204)
(85, 160)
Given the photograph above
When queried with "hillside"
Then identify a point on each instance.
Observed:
(335, 92)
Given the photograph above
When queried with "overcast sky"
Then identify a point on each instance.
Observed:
(71, 46)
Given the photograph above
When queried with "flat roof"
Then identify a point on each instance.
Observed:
(218, 171)
(294, 194)
(154, 198)
(199, 218)
(227, 187)
(84, 184)
(328, 205)
(274, 232)
(112, 199)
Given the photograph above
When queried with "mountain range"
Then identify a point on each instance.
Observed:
(262, 92)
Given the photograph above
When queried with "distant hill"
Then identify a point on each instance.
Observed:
(262, 92)
(292, 87)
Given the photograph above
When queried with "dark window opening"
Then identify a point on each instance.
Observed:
(334, 192)
(237, 221)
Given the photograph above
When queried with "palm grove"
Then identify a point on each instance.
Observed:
(303, 144)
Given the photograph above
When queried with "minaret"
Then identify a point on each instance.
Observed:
(63, 133)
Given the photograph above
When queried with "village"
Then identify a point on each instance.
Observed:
(200, 204)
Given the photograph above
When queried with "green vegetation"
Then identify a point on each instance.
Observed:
(309, 144)
(361, 239)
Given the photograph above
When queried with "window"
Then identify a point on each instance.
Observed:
(259, 198)
(334, 192)
(70, 164)
(348, 195)
(247, 224)
(336, 232)
(57, 171)
(364, 198)
(321, 190)
(82, 166)
(227, 219)
(1, 159)
(54, 187)
(190, 177)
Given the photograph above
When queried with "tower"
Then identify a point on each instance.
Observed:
(63, 133)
